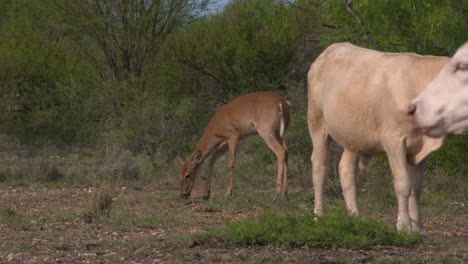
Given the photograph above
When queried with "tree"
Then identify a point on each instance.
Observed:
(121, 38)
(127, 34)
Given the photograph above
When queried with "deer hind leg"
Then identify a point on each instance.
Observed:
(273, 143)
(347, 170)
(233, 143)
(320, 158)
(284, 189)
(218, 153)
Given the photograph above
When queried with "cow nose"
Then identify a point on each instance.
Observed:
(411, 109)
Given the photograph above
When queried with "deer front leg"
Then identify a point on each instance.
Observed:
(214, 158)
(233, 142)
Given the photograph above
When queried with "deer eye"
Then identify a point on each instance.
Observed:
(187, 176)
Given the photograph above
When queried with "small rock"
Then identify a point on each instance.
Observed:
(110, 254)
(35, 241)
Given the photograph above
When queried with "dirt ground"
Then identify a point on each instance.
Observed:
(46, 224)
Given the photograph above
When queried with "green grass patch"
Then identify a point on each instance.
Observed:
(8, 216)
(335, 230)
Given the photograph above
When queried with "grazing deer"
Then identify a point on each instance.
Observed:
(265, 113)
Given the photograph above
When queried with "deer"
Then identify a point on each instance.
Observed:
(263, 113)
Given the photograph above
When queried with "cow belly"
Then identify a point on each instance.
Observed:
(354, 136)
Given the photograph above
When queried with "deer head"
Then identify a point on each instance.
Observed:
(188, 173)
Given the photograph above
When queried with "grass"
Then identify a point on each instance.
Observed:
(129, 221)
(12, 218)
(335, 230)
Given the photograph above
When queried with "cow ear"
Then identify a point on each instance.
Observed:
(429, 145)
(197, 158)
(181, 159)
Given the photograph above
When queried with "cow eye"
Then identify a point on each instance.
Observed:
(461, 71)
(463, 67)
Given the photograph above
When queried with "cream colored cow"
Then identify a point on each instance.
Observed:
(442, 108)
(359, 98)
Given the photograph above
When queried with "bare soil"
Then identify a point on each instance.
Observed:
(46, 224)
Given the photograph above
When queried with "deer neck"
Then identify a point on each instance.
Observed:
(208, 142)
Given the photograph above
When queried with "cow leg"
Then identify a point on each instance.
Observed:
(274, 144)
(363, 169)
(417, 176)
(320, 159)
(347, 170)
(398, 164)
(233, 143)
(219, 152)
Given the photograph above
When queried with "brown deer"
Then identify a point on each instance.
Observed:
(265, 113)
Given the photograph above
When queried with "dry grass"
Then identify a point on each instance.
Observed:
(101, 200)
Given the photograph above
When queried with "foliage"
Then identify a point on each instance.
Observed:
(425, 27)
(45, 87)
(337, 229)
(243, 49)
(451, 158)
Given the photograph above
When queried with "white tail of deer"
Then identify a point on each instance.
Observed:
(265, 113)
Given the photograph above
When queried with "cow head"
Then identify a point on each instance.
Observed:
(442, 108)
(188, 173)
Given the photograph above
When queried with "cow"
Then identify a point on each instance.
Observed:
(442, 108)
(359, 98)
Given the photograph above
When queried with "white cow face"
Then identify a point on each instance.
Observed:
(442, 108)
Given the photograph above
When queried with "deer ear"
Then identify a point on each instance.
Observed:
(181, 159)
(197, 158)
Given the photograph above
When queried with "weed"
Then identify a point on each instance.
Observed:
(8, 212)
(55, 175)
(9, 216)
(3, 176)
(89, 217)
